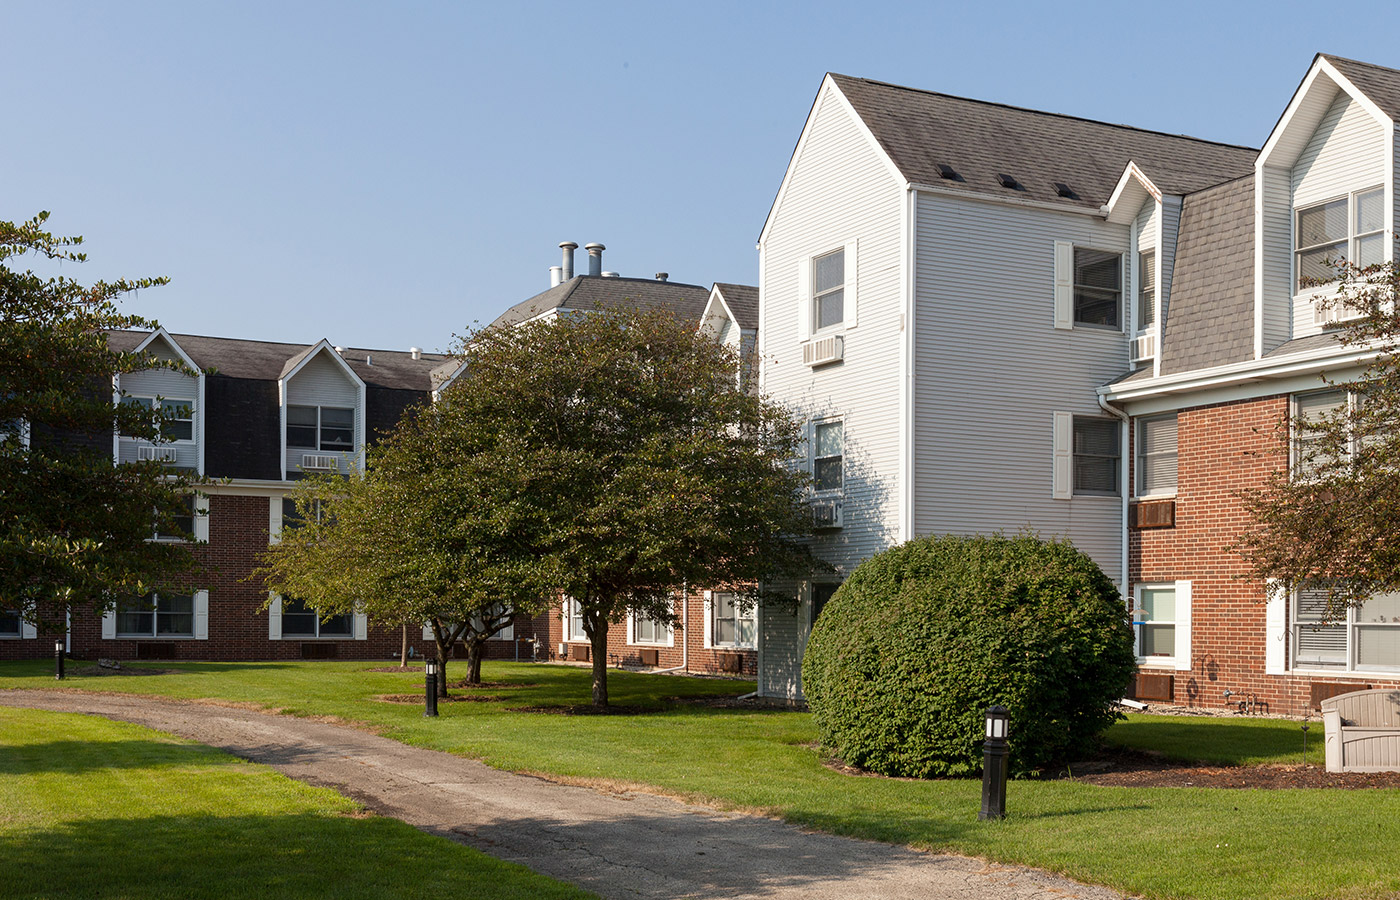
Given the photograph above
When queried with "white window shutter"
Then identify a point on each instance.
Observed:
(361, 626)
(1276, 630)
(1183, 626)
(1064, 284)
(1063, 463)
(849, 301)
(804, 298)
(274, 519)
(28, 631)
(428, 631)
(201, 518)
(274, 619)
(109, 625)
(709, 613)
(201, 615)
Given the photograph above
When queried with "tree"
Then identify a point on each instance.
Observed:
(650, 468)
(429, 533)
(1328, 520)
(74, 527)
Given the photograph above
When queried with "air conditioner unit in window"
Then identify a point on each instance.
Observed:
(824, 350)
(1145, 347)
(315, 462)
(1325, 313)
(148, 451)
(826, 514)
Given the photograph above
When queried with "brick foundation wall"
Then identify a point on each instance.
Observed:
(1221, 449)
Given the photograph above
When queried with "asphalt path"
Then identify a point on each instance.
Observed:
(619, 845)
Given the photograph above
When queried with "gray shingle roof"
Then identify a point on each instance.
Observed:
(265, 360)
(1210, 315)
(1311, 342)
(1382, 85)
(594, 292)
(921, 130)
(742, 300)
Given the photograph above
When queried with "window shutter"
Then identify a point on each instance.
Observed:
(27, 631)
(1063, 488)
(361, 626)
(1064, 284)
(274, 518)
(201, 615)
(804, 298)
(849, 300)
(201, 518)
(427, 631)
(1183, 626)
(109, 625)
(274, 615)
(709, 625)
(1276, 630)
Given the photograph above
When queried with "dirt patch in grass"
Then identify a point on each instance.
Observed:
(587, 709)
(102, 671)
(766, 703)
(493, 685)
(418, 699)
(403, 670)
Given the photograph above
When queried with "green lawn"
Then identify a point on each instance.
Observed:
(94, 808)
(1161, 842)
(1221, 741)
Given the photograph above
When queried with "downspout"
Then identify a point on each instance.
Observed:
(1123, 486)
(685, 633)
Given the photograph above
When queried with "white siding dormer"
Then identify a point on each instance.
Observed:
(165, 391)
(323, 414)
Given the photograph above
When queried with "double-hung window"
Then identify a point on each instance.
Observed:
(1348, 228)
(1155, 622)
(174, 419)
(1147, 290)
(180, 527)
(646, 630)
(157, 615)
(324, 428)
(1365, 638)
(828, 290)
(9, 623)
(1098, 287)
(576, 632)
(1312, 451)
(828, 451)
(300, 620)
(732, 623)
(1096, 455)
(1156, 456)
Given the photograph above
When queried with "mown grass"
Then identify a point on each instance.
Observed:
(101, 809)
(1220, 741)
(1160, 842)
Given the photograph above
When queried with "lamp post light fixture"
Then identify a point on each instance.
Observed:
(994, 754)
(430, 677)
(58, 660)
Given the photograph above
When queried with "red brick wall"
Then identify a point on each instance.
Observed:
(1221, 449)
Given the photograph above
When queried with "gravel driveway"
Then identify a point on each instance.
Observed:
(618, 845)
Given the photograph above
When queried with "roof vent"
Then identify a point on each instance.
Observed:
(369, 360)
(946, 171)
(1007, 181)
(610, 275)
(662, 276)
(595, 258)
(556, 276)
(340, 350)
(568, 260)
(415, 352)
(1065, 190)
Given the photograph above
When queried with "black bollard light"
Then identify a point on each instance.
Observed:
(58, 660)
(430, 677)
(994, 754)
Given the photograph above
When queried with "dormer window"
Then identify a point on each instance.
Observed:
(325, 428)
(1348, 228)
(174, 418)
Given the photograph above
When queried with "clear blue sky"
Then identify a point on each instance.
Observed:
(385, 174)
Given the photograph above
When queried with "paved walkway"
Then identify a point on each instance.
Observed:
(617, 845)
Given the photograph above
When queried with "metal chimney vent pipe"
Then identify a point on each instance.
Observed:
(595, 258)
(568, 267)
(555, 276)
(415, 352)
(662, 276)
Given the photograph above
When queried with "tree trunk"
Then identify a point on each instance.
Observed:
(442, 676)
(476, 649)
(599, 642)
(403, 650)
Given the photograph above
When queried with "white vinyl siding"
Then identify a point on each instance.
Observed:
(782, 641)
(975, 471)
(1275, 278)
(1166, 256)
(322, 383)
(1347, 153)
(170, 386)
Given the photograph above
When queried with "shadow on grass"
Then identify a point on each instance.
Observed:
(78, 757)
(303, 855)
(1217, 741)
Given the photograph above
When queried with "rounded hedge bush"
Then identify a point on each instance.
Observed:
(922, 638)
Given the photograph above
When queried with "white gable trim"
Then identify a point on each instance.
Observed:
(174, 345)
(828, 93)
(1131, 193)
(447, 382)
(711, 313)
(323, 346)
(1308, 122)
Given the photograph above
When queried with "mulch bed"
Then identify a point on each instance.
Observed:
(588, 709)
(124, 670)
(419, 699)
(492, 685)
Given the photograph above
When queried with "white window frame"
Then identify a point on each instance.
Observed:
(1352, 241)
(714, 602)
(1295, 456)
(1141, 455)
(1180, 659)
(817, 424)
(572, 614)
(320, 428)
(156, 417)
(191, 536)
(634, 620)
(355, 626)
(154, 612)
(806, 291)
(1075, 286)
(1075, 455)
(818, 294)
(1350, 628)
(18, 633)
(1146, 290)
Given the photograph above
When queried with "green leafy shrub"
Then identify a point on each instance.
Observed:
(922, 638)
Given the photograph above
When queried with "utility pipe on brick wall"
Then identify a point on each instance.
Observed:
(685, 634)
(1123, 486)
